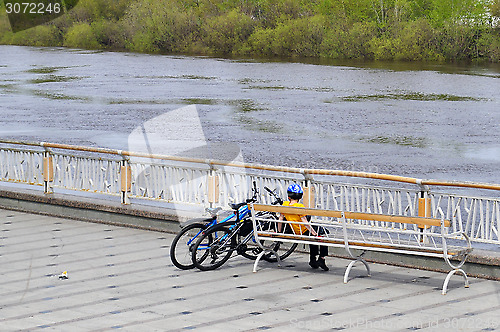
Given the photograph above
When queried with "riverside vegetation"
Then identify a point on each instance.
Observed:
(410, 30)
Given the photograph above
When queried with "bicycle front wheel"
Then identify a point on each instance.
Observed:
(212, 249)
(183, 244)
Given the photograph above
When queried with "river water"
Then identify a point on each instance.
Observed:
(428, 121)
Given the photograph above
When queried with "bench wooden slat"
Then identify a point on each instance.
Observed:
(351, 215)
(354, 243)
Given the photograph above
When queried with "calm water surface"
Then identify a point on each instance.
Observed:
(434, 121)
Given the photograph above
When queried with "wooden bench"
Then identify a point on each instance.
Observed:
(368, 232)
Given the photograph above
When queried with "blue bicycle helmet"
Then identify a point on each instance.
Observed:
(294, 191)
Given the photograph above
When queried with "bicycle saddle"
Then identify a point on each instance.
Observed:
(213, 211)
(236, 206)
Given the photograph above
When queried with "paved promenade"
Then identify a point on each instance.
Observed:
(122, 279)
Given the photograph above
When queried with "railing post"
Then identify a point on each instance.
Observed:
(213, 188)
(48, 172)
(308, 198)
(424, 209)
(126, 181)
(424, 205)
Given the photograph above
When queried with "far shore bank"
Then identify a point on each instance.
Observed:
(290, 30)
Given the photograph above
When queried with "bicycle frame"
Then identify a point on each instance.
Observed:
(240, 214)
(234, 219)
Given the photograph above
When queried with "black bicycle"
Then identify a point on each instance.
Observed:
(217, 243)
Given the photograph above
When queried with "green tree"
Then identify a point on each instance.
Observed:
(495, 8)
(81, 36)
(109, 33)
(353, 43)
(294, 38)
(417, 41)
(459, 42)
(489, 46)
(226, 33)
(89, 10)
(42, 35)
(159, 26)
(420, 8)
(459, 12)
(348, 12)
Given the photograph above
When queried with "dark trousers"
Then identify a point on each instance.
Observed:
(314, 249)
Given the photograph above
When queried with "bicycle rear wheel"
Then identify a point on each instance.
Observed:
(182, 246)
(212, 249)
(283, 250)
(249, 250)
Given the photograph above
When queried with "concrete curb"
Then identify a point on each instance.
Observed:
(481, 263)
(93, 210)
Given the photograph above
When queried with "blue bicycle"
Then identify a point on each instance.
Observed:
(184, 242)
(182, 245)
(217, 243)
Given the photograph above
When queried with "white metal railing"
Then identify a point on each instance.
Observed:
(24, 166)
(206, 183)
(86, 173)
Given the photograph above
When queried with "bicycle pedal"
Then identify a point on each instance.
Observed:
(241, 249)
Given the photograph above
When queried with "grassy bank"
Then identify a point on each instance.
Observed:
(411, 30)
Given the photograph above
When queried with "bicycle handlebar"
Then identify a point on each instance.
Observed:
(272, 192)
(254, 198)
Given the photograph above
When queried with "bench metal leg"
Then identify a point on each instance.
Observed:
(448, 277)
(262, 253)
(351, 265)
(358, 258)
(455, 268)
(257, 260)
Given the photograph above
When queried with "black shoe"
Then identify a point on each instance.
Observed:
(313, 263)
(321, 263)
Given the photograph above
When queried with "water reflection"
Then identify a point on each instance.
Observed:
(53, 79)
(410, 96)
(418, 142)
